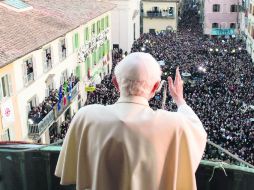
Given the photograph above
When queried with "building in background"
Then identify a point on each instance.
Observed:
(159, 15)
(50, 52)
(244, 7)
(125, 23)
(221, 18)
(250, 30)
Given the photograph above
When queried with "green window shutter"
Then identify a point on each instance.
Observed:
(98, 55)
(89, 63)
(102, 24)
(108, 48)
(94, 58)
(93, 29)
(76, 41)
(98, 27)
(78, 73)
(87, 34)
(107, 22)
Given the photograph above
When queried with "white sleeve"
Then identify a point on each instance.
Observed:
(193, 133)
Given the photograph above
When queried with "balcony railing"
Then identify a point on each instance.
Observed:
(36, 129)
(166, 15)
(34, 169)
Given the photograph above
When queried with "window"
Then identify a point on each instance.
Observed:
(49, 87)
(232, 25)
(93, 29)
(102, 24)
(64, 76)
(171, 11)
(28, 71)
(47, 63)
(5, 86)
(216, 8)
(106, 22)
(62, 49)
(76, 41)
(98, 27)
(233, 8)
(86, 34)
(215, 25)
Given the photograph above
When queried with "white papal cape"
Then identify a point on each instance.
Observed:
(128, 146)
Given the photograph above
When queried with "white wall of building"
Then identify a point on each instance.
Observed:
(124, 16)
(38, 86)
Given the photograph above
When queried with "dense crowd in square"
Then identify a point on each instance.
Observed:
(219, 83)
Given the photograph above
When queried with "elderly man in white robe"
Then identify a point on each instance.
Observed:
(129, 146)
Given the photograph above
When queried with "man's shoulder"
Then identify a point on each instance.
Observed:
(165, 113)
(94, 108)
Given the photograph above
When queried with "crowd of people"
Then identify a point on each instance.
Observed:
(219, 83)
(56, 133)
(36, 114)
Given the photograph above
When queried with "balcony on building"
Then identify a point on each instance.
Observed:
(30, 167)
(159, 13)
(53, 106)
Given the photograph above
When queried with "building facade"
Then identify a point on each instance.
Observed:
(159, 15)
(44, 82)
(221, 18)
(125, 23)
(250, 30)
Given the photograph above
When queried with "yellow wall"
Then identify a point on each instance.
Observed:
(159, 23)
(162, 5)
(15, 129)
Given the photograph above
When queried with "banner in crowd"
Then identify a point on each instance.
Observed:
(223, 31)
(7, 113)
(90, 88)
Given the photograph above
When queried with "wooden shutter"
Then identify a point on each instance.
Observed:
(9, 84)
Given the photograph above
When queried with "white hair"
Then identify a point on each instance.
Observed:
(136, 74)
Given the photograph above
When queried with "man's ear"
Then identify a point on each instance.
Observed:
(115, 83)
(155, 87)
